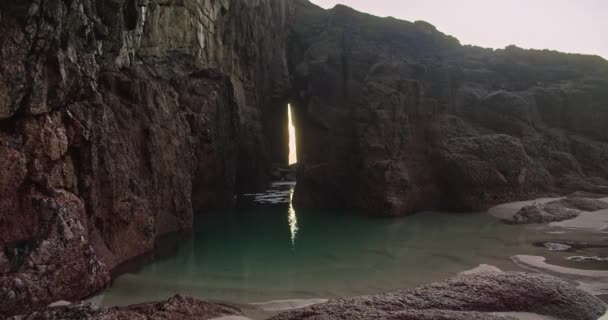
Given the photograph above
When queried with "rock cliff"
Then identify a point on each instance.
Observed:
(395, 117)
(120, 118)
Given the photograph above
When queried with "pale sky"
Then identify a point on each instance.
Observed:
(579, 26)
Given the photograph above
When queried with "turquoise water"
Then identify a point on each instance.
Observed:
(268, 251)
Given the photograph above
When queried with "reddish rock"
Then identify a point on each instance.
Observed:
(176, 308)
(56, 263)
(121, 119)
(118, 121)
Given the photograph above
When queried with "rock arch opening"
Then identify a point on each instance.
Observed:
(286, 150)
(293, 148)
(264, 154)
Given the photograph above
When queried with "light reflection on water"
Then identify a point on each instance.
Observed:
(254, 253)
(293, 219)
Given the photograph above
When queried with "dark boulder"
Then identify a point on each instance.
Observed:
(477, 296)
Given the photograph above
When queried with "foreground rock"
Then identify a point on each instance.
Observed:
(475, 297)
(485, 293)
(176, 308)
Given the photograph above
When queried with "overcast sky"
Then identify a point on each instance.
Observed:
(579, 26)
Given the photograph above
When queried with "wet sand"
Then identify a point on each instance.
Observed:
(588, 229)
(525, 316)
(588, 221)
(592, 281)
(282, 305)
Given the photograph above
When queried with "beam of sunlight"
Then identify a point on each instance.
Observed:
(293, 157)
(293, 220)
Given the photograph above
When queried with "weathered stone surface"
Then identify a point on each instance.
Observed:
(176, 308)
(118, 120)
(488, 168)
(59, 264)
(475, 296)
(394, 117)
(543, 214)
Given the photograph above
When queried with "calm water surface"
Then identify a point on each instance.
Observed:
(268, 251)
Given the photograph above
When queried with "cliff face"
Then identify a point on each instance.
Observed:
(395, 117)
(118, 119)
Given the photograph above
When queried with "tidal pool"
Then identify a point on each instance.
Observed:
(265, 250)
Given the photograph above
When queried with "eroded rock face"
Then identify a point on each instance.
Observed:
(61, 263)
(477, 296)
(118, 120)
(395, 117)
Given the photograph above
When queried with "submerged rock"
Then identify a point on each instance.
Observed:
(475, 296)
